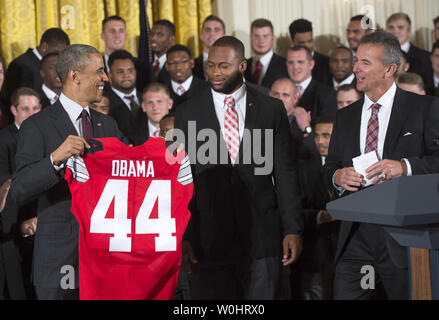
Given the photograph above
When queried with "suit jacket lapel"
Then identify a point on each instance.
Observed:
(400, 111)
(98, 129)
(354, 127)
(62, 121)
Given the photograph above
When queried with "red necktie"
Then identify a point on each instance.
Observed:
(257, 74)
(231, 129)
(156, 133)
(372, 130)
(87, 130)
(156, 68)
(181, 90)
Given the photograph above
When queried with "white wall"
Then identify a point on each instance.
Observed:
(329, 18)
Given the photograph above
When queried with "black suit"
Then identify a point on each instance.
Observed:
(125, 120)
(56, 239)
(276, 69)
(198, 69)
(420, 63)
(23, 71)
(197, 85)
(321, 71)
(318, 98)
(412, 113)
(44, 99)
(16, 251)
(238, 216)
(331, 82)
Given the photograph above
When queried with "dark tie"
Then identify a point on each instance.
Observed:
(87, 130)
(156, 68)
(372, 130)
(257, 74)
(135, 109)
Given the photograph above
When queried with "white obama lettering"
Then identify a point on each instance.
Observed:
(132, 169)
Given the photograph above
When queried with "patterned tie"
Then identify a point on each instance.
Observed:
(299, 90)
(372, 129)
(135, 109)
(180, 90)
(87, 130)
(231, 129)
(257, 73)
(156, 133)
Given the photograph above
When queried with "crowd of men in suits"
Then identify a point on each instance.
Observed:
(248, 238)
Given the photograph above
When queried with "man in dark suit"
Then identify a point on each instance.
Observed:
(125, 98)
(399, 24)
(241, 217)
(265, 66)
(114, 35)
(212, 29)
(314, 270)
(162, 37)
(434, 58)
(314, 96)
(16, 222)
(52, 86)
(403, 129)
(155, 105)
(183, 85)
(301, 34)
(24, 71)
(45, 142)
(341, 64)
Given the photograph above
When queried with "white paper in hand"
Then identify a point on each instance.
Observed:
(361, 163)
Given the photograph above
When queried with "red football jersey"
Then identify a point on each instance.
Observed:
(132, 207)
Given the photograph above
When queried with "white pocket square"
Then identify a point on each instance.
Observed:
(407, 134)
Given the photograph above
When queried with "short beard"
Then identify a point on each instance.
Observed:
(230, 85)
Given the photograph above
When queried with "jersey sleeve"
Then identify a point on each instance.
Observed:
(185, 172)
(78, 169)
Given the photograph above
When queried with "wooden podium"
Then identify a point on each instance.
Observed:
(408, 209)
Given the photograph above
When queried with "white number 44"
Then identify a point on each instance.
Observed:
(120, 225)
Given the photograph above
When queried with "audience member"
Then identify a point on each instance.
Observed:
(301, 34)
(124, 97)
(114, 35)
(166, 125)
(103, 106)
(183, 85)
(355, 133)
(358, 27)
(162, 37)
(156, 104)
(265, 66)
(17, 221)
(52, 86)
(399, 24)
(314, 272)
(341, 64)
(411, 82)
(313, 95)
(45, 141)
(434, 58)
(212, 29)
(347, 94)
(24, 71)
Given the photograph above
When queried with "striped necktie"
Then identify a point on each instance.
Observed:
(231, 129)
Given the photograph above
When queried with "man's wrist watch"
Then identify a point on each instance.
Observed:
(307, 130)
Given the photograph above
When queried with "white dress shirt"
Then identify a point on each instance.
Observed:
(106, 62)
(186, 85)
(436, 81)
(49, 93)
(405, 47)
(348, 80)
(37, 53)
(152, 129)
(162, 60)
(304, 84)
(126, 100)
(240, 97)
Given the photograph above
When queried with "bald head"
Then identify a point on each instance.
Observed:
(285, 90)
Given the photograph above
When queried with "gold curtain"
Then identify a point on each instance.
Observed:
(24, 21)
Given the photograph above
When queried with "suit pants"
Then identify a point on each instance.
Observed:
(367, 247)
(247, 279)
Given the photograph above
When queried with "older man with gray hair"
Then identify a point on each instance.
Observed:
(46, 140)
(402, 128)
